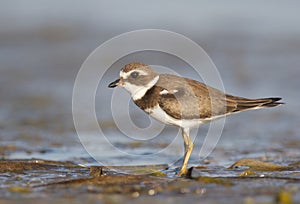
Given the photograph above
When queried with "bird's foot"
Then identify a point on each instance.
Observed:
(183, 172)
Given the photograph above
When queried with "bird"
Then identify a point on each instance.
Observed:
(182, 102)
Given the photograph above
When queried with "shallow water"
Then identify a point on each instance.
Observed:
(39, 62)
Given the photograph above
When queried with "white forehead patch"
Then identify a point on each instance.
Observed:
(125, 75)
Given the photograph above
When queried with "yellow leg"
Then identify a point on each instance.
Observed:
(188, 148)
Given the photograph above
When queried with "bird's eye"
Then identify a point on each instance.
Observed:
(134, 74)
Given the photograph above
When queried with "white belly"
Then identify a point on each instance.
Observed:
(159, 114)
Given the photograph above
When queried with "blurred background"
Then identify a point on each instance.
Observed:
(255, 46)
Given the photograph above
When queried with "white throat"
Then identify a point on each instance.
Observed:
(137, 92)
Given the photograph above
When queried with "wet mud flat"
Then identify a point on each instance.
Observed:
(257, 160)
(245, 181)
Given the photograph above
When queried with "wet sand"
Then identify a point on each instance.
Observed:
(255, 161)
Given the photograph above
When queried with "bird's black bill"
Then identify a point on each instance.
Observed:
(114, 84)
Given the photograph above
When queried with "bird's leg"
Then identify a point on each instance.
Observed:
(188, 148)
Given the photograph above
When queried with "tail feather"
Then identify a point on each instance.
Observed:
(241, 104)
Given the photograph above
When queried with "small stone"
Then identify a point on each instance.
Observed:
(151, 192)
(135, 194)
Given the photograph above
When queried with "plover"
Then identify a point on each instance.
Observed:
(182, 102)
